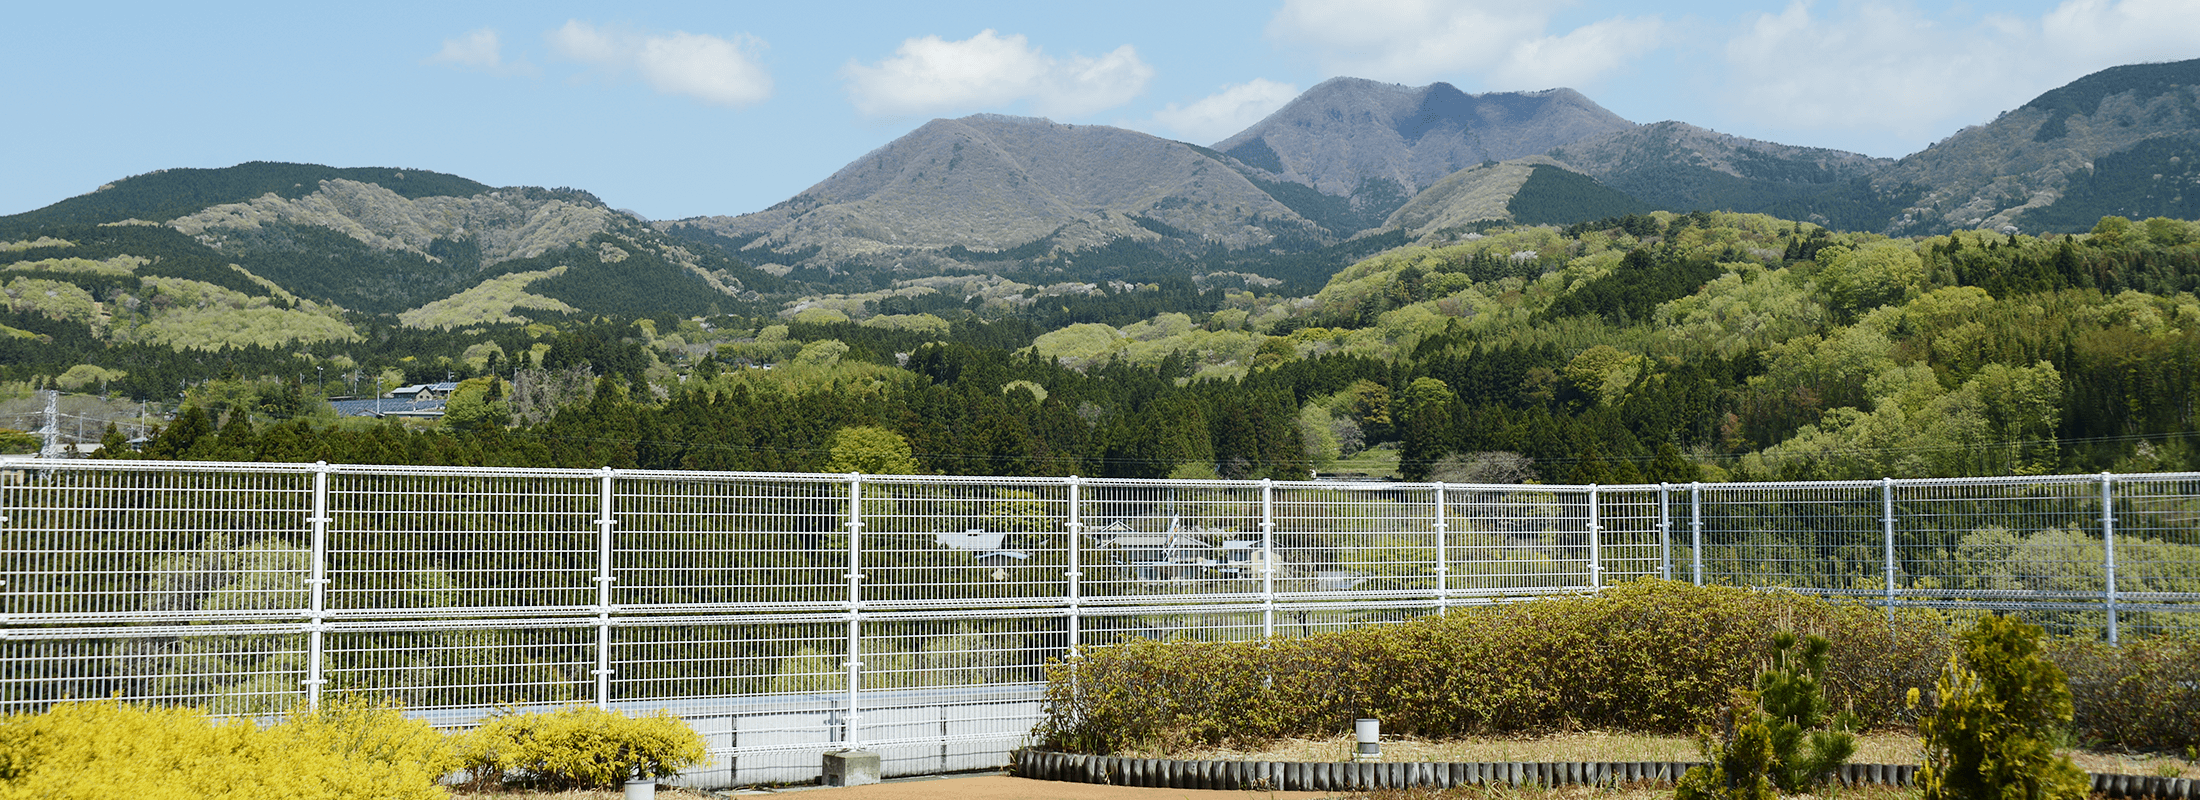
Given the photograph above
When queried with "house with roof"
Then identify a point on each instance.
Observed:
(424, 391)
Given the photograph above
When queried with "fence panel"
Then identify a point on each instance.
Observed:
(2003, 545)
(1193, 541)
(1512, 540)
(1630, 536)
(1352, 540)
(444, 543)
(243, 670)
(91, 544)
(459, 673)
(722, 542)
(1821, 537)
(932, 542)
(2157, 533)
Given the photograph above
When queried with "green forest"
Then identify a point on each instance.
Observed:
(1643, 347)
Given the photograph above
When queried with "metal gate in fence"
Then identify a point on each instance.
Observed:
(785, 615)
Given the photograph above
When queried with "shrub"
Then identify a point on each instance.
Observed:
(1650, 656)
(1998, 704)
(109, 749)
(1741, 757)
(1795, 706)
(2143, 695)
(576, 747)
(1762, 744)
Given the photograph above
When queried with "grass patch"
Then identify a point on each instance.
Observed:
(1380, 461)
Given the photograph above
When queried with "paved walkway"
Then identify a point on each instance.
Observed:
(1004, 787)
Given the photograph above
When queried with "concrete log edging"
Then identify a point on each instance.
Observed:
(1338, 776)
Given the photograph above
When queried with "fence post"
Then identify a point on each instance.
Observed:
(1074, 592)
(1695, 532)
(317, 583)
(605, 520)
(1443, 565)
(2108, 551)
(1665, 531)
(851, 733)
(1596, 545)
(1267, 548)
(1886, 532)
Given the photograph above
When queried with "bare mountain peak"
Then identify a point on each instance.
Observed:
(991, 182)
(1348, 133)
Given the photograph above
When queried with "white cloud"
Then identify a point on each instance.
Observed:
(930, 75)
(588, 44)
(480, 49)
(1891, 68)
(2098, 33)
(1217, 116)
(1504, 42)
(1580, 56)
(707, 68)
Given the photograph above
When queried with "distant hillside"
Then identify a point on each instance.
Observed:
(2099, 141)
(166, 194)
(1534, 190)
(1375, 145)
(263, 254)
(1680, 167)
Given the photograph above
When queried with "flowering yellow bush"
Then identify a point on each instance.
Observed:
(576, 746)
(109, 749)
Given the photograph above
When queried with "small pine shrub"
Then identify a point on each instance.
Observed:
(106, 749)
(1795, 707)
(1741, 756)
(576, 747)
(2000, 704)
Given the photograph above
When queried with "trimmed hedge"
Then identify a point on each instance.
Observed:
(1648, 656)
(1651, 656)
(2144, 695)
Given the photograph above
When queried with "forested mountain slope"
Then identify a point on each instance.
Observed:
(1643, 347)
(367, 240)
(2116, 142)
(1676, 166)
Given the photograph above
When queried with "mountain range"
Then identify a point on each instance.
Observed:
(1348, 168)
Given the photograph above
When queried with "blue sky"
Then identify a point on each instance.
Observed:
(677, 109)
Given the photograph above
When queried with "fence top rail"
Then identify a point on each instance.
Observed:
(124, 465)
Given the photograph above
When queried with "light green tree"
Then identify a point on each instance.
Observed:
(821, 353)
(871, 450)
(477, 403)
(1318, 433)
(1871, 276)
(86, 375)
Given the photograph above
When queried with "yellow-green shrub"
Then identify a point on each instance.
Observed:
(577, 747)
(108, 749)
(1995, 710)
(1652, 656)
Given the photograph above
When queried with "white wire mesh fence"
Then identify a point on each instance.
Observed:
(787, 615)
